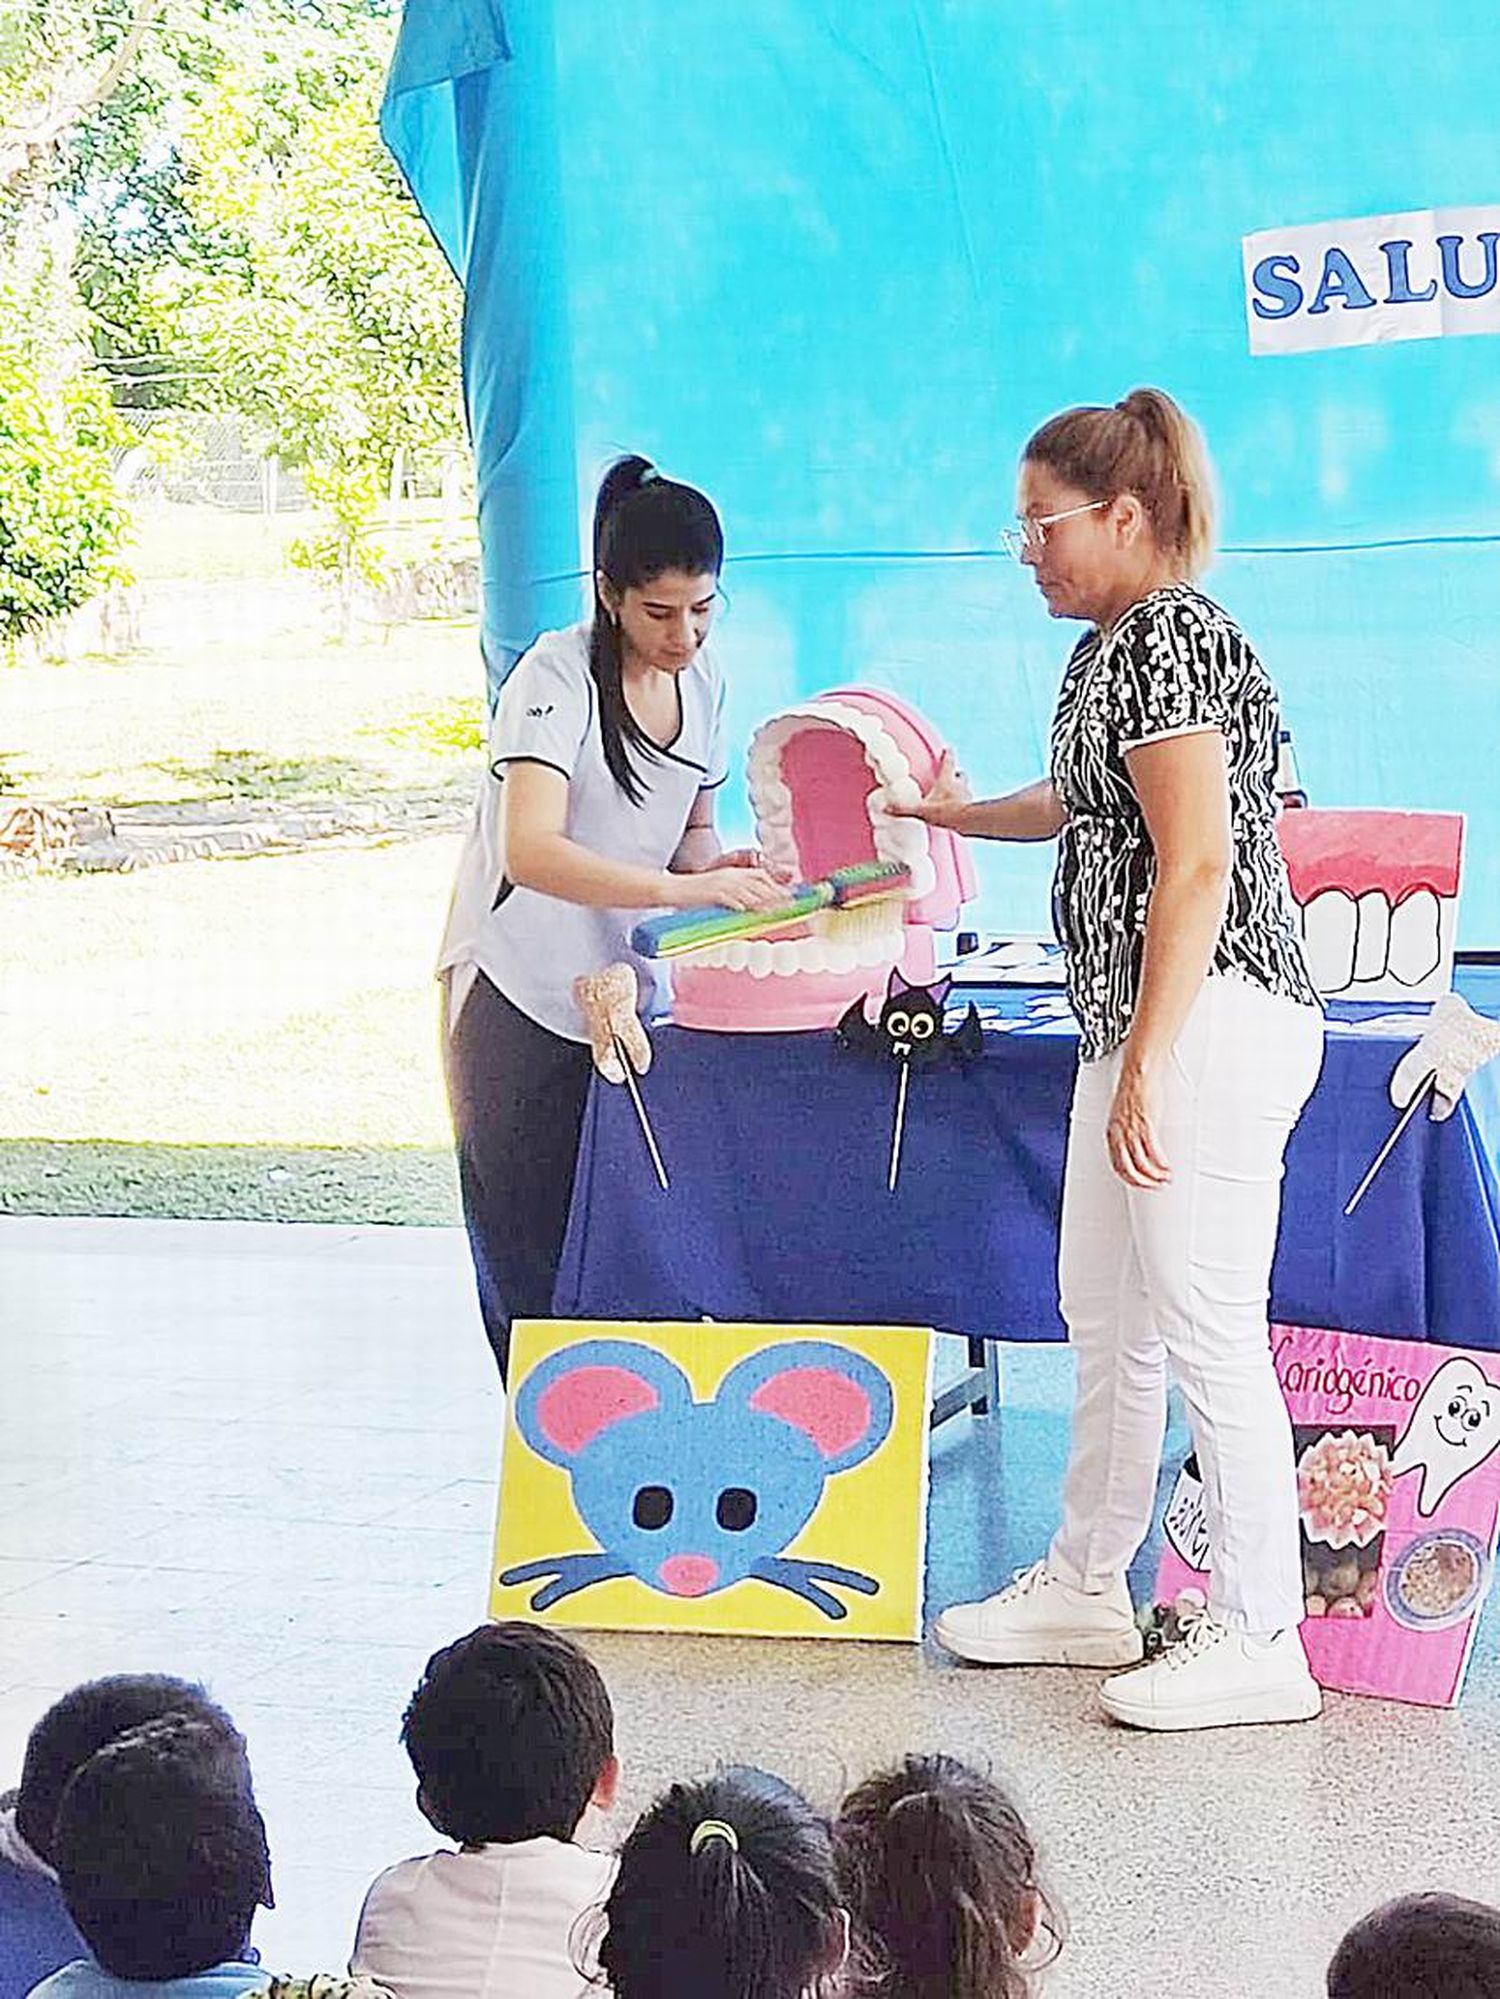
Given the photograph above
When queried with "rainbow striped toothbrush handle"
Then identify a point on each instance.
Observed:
(674, 932)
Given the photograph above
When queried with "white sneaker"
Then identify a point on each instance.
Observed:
(1217, 1678)
(1038, 1620)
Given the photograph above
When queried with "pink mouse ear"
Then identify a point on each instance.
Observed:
(829, 1409)
(578, 1408)
(839, 1399)
(573, 1396)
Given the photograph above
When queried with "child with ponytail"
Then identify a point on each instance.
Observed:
(726, 1890)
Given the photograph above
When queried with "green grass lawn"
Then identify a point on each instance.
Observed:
(280, 1012)
(405, 1184)
(243, 1037)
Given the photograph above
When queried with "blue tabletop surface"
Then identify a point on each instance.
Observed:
(777, 1148)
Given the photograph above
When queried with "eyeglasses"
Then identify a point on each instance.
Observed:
(1029, 535)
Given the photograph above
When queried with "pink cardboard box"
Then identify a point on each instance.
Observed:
(1398, 1486)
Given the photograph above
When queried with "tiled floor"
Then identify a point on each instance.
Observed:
(265, 1457)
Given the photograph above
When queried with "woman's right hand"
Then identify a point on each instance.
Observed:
(942, 798)
(728, 888)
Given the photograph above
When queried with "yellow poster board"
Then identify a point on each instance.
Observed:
(759, 1480)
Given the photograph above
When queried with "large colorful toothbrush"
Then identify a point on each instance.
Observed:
(678, 931)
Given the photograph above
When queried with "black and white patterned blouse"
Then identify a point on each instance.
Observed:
(1174, 663)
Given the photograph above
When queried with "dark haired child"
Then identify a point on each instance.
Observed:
(726, 1890)
(1420, 1947)
(597, 805)
(162, 1857)
(939, 1875)
(37, 1935)
(511, 1735)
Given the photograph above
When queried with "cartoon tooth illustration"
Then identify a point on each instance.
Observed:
(1453, 1429)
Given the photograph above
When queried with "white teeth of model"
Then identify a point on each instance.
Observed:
(906, 841)
(1329, 926)
(758, 959)
(808, 954)
(737, 957)
(1416, 938)
(902, 840)
(839, 957)
(1372, 944)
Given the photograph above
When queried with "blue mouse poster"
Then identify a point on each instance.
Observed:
(757, 1480)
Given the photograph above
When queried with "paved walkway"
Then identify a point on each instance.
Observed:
(264, 1455)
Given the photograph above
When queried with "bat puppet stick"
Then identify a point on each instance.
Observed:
(899, 1127)
(620, 1044)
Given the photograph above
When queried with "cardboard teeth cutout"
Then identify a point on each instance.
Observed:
(1453, 1429)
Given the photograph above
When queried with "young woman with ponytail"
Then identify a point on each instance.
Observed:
(939, 1875)
(1201, 1039)
(606, 747)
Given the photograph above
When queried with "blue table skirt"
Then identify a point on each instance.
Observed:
(777, 1148)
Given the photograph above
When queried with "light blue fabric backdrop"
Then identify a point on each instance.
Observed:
(834, 262)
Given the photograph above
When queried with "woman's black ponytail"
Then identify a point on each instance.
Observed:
(644, 525)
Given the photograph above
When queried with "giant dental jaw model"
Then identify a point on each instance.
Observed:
(820, 777)
(1377, 893)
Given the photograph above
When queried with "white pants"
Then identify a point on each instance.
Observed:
(1182, 1273)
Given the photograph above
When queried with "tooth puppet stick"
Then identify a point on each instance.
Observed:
(1424, 1091)
(1456, 1042)
(640, 1110)
(621, 1047)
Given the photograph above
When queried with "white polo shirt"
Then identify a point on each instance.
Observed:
(497, 1922)
(532, 946)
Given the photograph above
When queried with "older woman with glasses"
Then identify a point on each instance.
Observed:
(1201, 1039)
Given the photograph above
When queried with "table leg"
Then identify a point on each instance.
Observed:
(979, 1390)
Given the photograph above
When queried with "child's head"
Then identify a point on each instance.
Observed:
(1420, 1947)
(161, 1851)
(939, 1875)
(74, 1727)
(511, 1735)
(726, 1890)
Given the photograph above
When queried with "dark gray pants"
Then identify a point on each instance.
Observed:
(517, 1093)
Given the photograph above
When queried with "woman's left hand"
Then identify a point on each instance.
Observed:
(1130, 1133)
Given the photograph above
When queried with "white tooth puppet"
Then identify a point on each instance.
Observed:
(1455, 1043)
(608, 1001)
(1434, 1070)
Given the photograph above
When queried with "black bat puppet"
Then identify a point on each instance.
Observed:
(910, 1027)
(910, 1033)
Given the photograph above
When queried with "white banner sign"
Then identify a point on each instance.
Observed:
(1417, 276)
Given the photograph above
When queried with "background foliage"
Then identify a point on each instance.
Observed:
(223, 231)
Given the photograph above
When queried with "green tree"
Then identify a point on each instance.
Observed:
(248, 244)
(60, 60)
(243, 243)
(61, 522)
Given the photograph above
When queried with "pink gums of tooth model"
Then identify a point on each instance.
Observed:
(820, 775)
(1377, 894)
